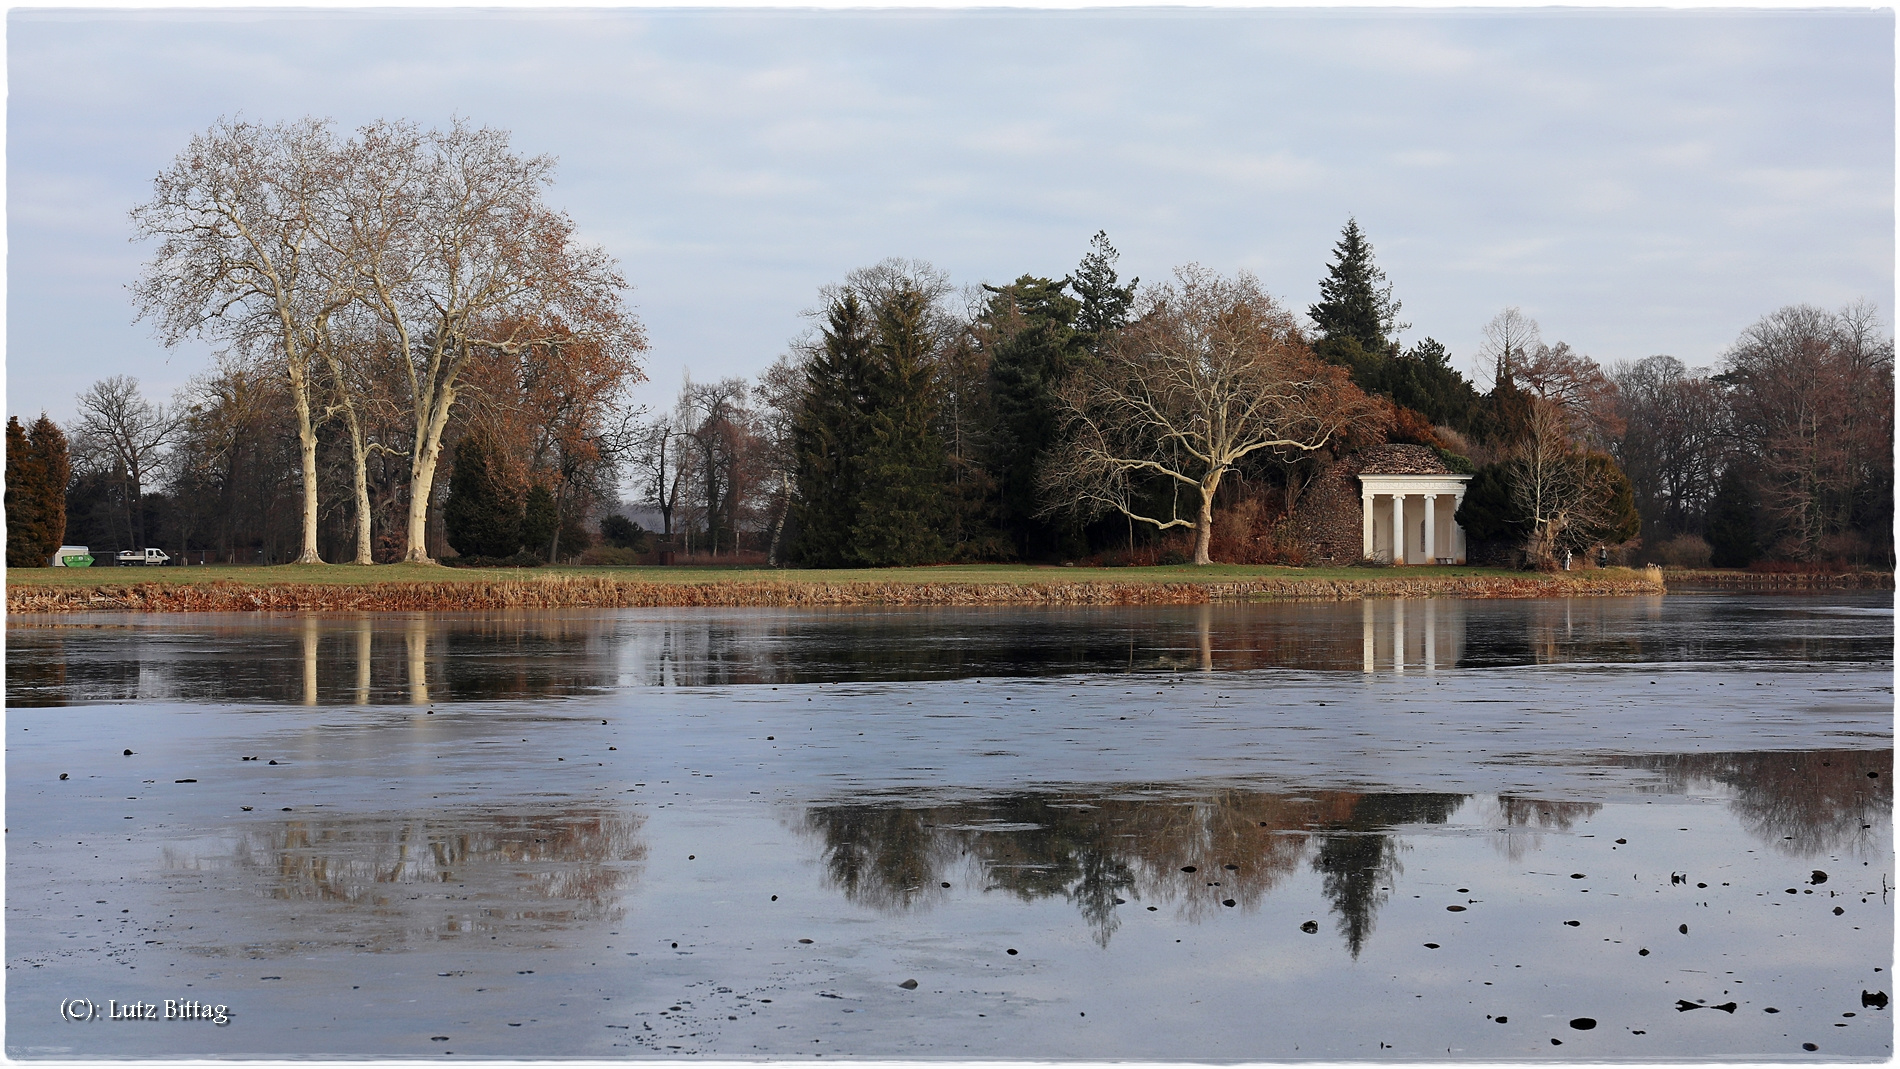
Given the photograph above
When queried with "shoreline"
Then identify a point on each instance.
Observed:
(530, 590)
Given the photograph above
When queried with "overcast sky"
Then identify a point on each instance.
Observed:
(1639, 183)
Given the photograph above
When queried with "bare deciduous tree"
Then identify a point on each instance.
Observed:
(657, 466)
(1568, 495)
(236, 216)
(1508, 340)
(1674, 435)
(1812, 396)
(1212, 371)
(479, 268)
(779, 391)
(1576, 385)
(124, 436)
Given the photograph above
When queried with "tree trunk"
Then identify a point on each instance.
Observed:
(359, 475)
(307, 452)
(554, 543)
(778, 526)
(1204, 525)
(359, 458)
(428, 448)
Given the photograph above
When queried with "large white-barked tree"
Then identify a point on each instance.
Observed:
(385, 263)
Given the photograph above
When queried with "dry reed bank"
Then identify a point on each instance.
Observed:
(412, 589)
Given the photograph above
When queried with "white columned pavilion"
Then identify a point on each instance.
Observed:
(1414, 513)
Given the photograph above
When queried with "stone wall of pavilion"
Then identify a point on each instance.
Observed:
(1328, 522)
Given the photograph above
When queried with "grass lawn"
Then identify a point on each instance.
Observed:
(261, 575)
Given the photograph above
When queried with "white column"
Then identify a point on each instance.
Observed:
(1458, 548)
(1398, 528)
(1431, 633)
(1365, 514)
(1431, 528)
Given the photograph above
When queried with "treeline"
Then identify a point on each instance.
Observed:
(1088, 418)
(401, 298)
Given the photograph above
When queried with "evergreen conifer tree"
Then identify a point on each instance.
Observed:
(481, 517)
(1039, 345)
(1422, 379)
(869, 465)
(50, 451)
(901, 495)
(1731, 525)
(828, 436)
(38, 469)
(1500, 417)
(538, 520)
(1357, 315)
(22, 499)
(1353, 304)
(1103, 302)
(1487, 512)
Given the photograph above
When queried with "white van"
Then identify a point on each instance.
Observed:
(72, 557)
(153, 557)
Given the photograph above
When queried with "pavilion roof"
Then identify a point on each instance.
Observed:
(1402, 460)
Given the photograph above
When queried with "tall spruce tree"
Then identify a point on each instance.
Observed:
(828, 437)
(901, 498)
(1357, 315)
(869, 465)
(1356, 303)
(1104, 302)
(1037, 344)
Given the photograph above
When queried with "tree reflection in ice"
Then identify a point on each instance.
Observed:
(1534, 816)
(1224, 849)
(1101, 849)
(1359, 861)
(1802, 803)
(441, 875)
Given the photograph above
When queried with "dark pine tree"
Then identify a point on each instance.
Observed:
(828, 439)
(1104, 302)
(1355, 310)
(1731, 528)
(50, 452)
(24, 476)
(1500, 418)
(1035, 322)
(902, 492)
(622, 533)
(481, 517)
(1421, 378)
(1487, 512)
(539, 520)
(38, 469)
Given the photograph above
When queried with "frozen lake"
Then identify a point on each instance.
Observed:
(1640, 829)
